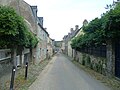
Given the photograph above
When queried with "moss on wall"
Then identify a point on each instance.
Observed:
(96, 63)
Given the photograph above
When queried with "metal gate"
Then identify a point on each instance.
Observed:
(117, 59)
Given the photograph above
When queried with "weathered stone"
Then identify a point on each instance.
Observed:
(96, 63)
(110, 59)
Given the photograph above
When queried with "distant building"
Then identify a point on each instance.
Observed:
(58, 45)
(66, 45)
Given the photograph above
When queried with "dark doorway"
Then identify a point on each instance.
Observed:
(117, 59)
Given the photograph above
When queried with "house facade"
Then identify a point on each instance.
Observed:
(50, 48)
(66, 45)
(43, 38)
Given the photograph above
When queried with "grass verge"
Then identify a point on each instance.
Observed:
(33, 71)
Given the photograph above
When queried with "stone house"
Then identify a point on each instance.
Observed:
(73, 32)
(49, 47)
(63, 46)
(43, 37)
(66, 45)
(70, 35)
(66, 38)
(58, 45)
(35, 25)
(77, 33)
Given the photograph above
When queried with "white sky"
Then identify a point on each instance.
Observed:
(61, 15)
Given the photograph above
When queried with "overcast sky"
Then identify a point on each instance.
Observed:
(61, 15)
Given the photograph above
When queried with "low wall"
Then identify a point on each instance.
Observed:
(5, 72)
(96, 63)
(6, 68)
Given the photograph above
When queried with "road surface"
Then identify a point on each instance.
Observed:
(62, 74)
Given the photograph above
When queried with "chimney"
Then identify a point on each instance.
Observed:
(76, 27)
(85, 22)
(71, 30)
(69, 35)
(45, 29)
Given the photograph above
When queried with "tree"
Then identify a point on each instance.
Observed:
(93, 35)
(100, 30)
(13, 31)
(111, 24)
(32, 39)
(112, 30)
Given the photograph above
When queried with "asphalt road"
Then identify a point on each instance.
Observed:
(62, 74)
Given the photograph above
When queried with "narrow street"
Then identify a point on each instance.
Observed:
(62, 74)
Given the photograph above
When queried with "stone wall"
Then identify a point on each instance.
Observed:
(69, 49)
(96, 63)
(5, 66)
(5, 72)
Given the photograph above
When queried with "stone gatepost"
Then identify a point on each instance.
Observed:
(110, 59)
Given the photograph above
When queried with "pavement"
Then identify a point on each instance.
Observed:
(62, 74)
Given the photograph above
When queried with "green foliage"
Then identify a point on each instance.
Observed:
(8, 21)
(99, 30)
(74, 42)
(111, 24)
(13, 29)
(32, 40)
(94, 25)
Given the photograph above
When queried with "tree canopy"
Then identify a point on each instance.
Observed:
(99, 30)
(13, 29)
